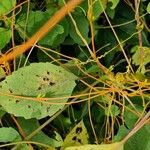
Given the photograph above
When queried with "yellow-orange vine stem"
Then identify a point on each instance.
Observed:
(59, 15)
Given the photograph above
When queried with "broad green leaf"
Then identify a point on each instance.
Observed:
(35, 20)
(122, 132)
(98, 7)
(36, 80)
(139, 141)
(77, 136)
(8, 134)
(148, 8)
(30, 125)
(5, 36)
(83, 27)
(114, 3)
(114, 146)
(6, 6)
(130, 118)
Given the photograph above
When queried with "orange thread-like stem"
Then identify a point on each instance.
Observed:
(41, 32)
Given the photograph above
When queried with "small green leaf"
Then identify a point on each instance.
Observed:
(114, 146)
(141, 60)
(112, 111)
(6, 6)
(77, 136)
(37, 79)
(4, 39)
(8, 134)
(148, 8)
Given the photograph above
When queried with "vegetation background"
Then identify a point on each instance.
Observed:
(82, 83)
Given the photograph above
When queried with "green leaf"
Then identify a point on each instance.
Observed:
(77, 136)
(6, 6)
(8, 134)
(31, 125)
(2, 112)
(114, 3)
(130, 118)
(139, 141)
(97, 8)
(4, 39)
(83, 26)
(36, 80)
(2, 73)
(112, 111)
(137, 55)
(141, 60)
(148, 8)
(35, 20)
(114, 146)
(122, 132)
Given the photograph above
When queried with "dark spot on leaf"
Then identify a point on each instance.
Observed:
(79, 140)
(0, 86)
(10, 91)
(37, 75)
(21, 74)
(48, 72)
(39, 88)
(2, 79)
(29, 106)
(74, 138)
(48, 108)
(78, 130)
(17, 101)
(51, 83)
(45, 79)
(6, 82)
(41, 104)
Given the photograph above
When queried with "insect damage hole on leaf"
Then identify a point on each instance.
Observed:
(47, 81)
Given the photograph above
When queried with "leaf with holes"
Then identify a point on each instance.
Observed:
(114, 146)
(36, 80)
(77, 136)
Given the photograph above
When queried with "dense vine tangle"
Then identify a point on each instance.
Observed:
(41, 32)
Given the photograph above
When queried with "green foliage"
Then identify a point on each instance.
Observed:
(148, 8)
(4, 39)
(8, 134)
(84, 85)
(6, 6)
(30, 125)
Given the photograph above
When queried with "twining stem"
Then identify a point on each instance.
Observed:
(59, 15)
